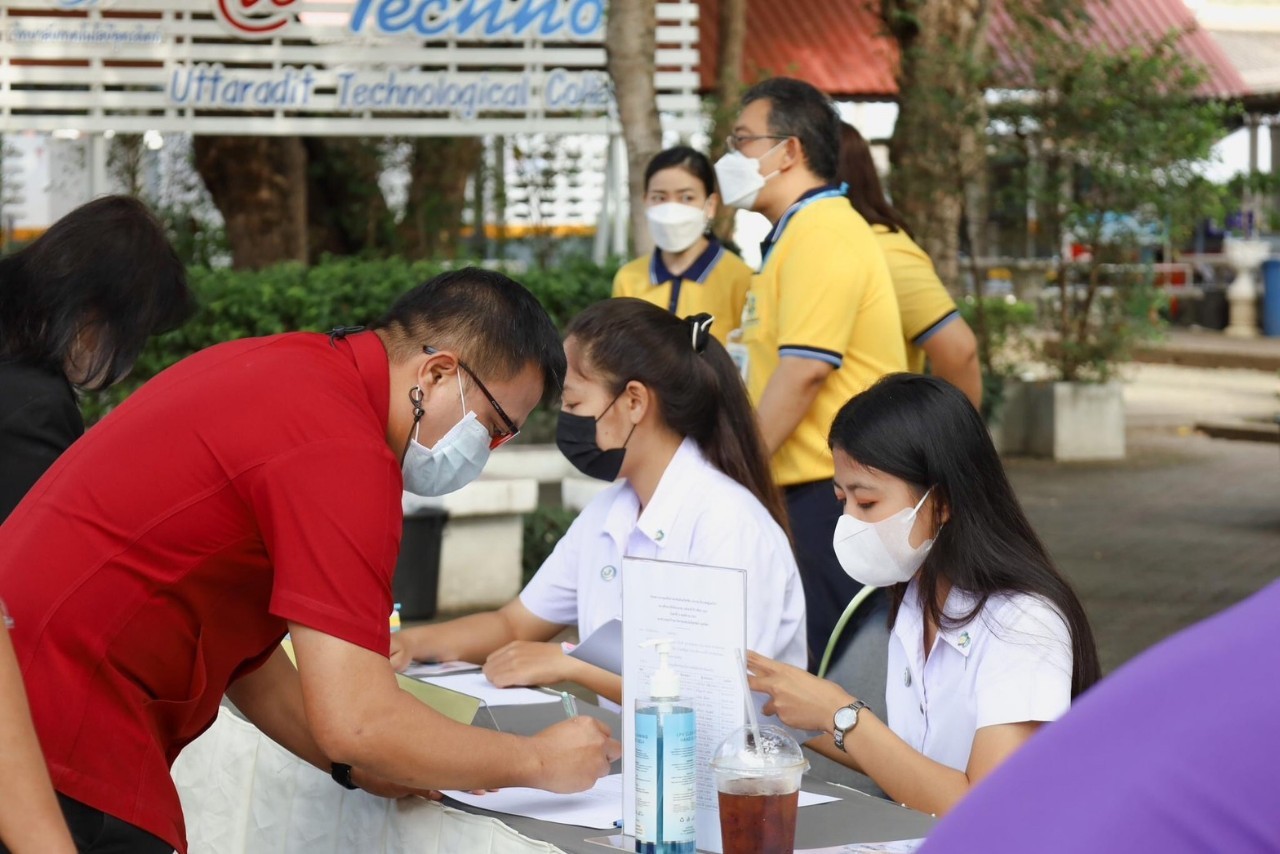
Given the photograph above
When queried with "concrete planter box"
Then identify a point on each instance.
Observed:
(1008, 426)
(483, 540)
(1067, 421)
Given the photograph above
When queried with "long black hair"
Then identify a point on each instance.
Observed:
(924, 431)
(699, 390)
(858, 171)
(105, 271)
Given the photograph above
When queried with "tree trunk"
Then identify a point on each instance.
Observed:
(260, 186)
(438, 173)
(732, 39)
(630, 41)
(940, 83)
(347, 213)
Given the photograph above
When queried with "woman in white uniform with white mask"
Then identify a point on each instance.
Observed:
(655, 405)
(988, 642)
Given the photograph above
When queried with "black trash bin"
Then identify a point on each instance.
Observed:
(1212, 311)
(417, 578)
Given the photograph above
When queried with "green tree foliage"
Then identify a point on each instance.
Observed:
(1117, 139)
(339, 292)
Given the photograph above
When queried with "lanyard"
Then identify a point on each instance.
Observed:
(776, 234)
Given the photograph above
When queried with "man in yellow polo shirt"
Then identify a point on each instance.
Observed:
(821, 321)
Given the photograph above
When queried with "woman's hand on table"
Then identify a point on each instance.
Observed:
(402, 648)
(527, 663)
(573, 754)
(797, 697)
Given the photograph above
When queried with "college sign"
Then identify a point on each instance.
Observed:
(460, 94)
(328, 67)
(469, 20)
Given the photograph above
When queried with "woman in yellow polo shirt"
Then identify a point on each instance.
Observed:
(689, 272)
(931, 325)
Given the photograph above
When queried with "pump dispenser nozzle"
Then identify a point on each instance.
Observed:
(665, 683)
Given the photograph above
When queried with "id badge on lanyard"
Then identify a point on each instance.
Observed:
(741, 357)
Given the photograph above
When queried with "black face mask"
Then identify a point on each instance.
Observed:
(576, 439)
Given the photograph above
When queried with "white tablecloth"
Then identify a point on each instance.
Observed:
(242, 792)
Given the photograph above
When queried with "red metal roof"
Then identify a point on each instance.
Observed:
(834, 44)
(840, 45)
(1119, 24)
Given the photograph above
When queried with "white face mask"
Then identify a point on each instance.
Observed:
(740, 179)
(675, 227)
(879, 554)
(456, 460)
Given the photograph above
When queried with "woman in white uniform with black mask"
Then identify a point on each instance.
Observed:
(654, 404)
(988, 642)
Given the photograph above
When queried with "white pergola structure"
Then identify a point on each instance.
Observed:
(333, 68)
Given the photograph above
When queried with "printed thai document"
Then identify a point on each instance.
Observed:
(478, 685)
(703, 610)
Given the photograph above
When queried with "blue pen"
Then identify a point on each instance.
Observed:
(570, 704)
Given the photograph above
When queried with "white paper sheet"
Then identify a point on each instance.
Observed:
(599, 807)
(901, 846)
(603, 648)
(478, 685)
(704, 609)
(809, 799)
(422, 669)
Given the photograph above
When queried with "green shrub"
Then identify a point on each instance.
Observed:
(543, 528)
(1002, 326)
(337, 292)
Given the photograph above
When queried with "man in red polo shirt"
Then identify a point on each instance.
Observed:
(253, 490)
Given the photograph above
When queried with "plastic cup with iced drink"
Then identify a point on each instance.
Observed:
(759, 789)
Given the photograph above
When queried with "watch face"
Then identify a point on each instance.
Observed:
(846, 718)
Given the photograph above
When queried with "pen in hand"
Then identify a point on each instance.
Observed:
(570, 704)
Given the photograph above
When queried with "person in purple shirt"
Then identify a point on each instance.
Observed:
(1178, 752)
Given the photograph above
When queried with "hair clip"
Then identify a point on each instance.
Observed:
(701, 330)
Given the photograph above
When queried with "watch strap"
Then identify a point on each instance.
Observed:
(341, 774)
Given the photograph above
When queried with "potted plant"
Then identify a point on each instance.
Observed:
(1113, 140)
(1001, 324)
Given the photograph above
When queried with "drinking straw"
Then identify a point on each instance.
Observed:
(746, 697)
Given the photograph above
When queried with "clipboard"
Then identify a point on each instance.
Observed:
(456, 706)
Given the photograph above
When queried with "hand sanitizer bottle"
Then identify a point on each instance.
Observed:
(666, 778)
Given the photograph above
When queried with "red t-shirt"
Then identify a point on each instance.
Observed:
(160, 557)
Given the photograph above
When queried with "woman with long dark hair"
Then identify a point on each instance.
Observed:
(76, 307)
(690, 271)
(931, 326)
(988, 640)
(654, 403)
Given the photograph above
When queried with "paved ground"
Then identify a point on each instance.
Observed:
(1209, 349)
(1184, 527)
(1166, 396)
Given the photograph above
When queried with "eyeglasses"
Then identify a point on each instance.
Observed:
(734, 141)
(501, 439)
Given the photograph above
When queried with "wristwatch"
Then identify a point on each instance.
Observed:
(846, 718)
(341, 774)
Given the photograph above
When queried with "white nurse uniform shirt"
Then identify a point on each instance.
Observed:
(696, 515)
(1010, 663)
